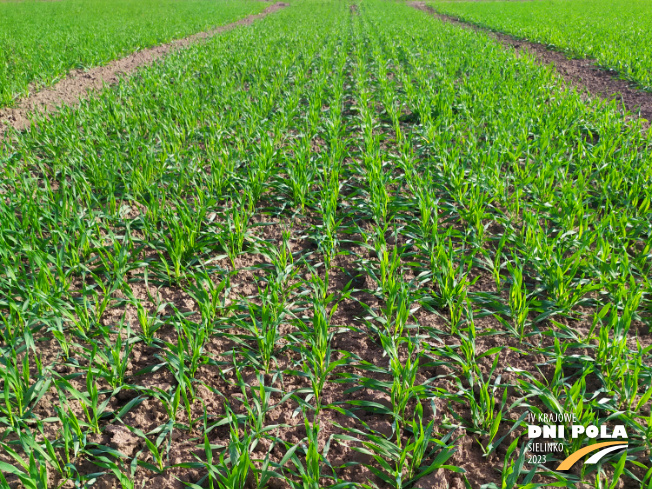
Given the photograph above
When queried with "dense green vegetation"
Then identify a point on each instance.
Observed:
(616, 34)
(42, 41)
(342, 247)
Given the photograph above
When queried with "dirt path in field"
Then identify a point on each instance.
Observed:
(582, 73)
(79, 82)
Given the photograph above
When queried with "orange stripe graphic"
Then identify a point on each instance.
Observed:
(574, 457)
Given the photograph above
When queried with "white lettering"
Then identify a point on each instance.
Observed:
(592, 431)
(533, 431)
(619, 431)
(577, 430)
(549, 431)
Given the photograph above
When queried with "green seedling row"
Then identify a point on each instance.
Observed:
(615, 34)
(347, 246)
(40, 42)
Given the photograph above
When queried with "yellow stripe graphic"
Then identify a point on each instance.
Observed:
(574, 457)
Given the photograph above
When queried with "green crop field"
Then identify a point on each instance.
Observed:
(347, 246)
(41, 41)
(617, 34)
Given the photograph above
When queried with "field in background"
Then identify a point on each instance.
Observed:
(42, 41)
(349, 245)
(617, 35)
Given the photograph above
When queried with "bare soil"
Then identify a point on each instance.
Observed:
(79, 83)
(584, 74)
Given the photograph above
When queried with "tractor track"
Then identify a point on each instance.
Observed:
(79, 83)
(584, 74)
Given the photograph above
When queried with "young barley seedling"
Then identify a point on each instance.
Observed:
(308, 461)
(233, 231)
(154, 449)
(300, 172)
(210, 298)
(264, 322)
(183, 242)
(518, 300)
(34, 474)
(73, 438)
(93, 409)
(234, 465)
(317, 362)
(111, 362)
(20, 391)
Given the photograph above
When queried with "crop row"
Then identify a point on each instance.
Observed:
(612, 33)
(40, 42)
(350, 246)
